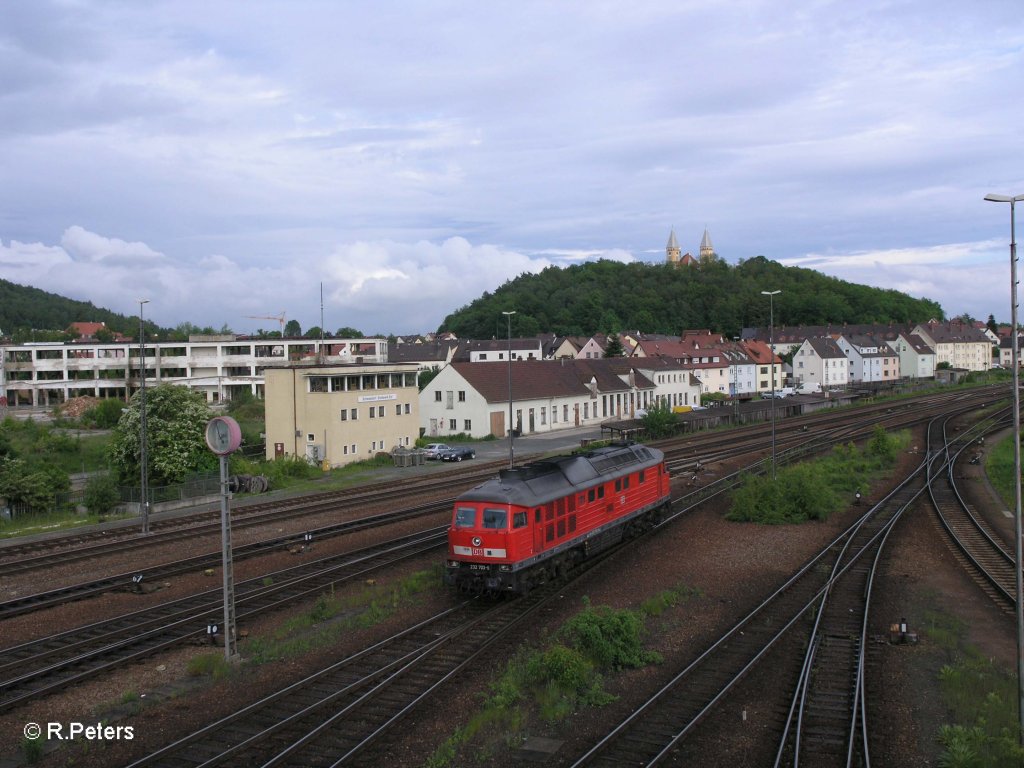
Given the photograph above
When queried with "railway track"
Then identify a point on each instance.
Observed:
(43, 667)
(978, 548)
(334, 714)
(828, 723)
(839, 572)
(156, 572)
(37, 670)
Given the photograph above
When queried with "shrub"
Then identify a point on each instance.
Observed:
(105, 414)
(610, 638)
(101, 494)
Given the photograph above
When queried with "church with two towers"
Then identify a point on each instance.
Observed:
(675, 256)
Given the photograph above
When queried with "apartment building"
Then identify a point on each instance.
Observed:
(51, 373)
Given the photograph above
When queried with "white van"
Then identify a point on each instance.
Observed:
(808, 388)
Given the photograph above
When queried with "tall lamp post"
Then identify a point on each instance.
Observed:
(511, 456)
(1015, 364)
(143, 458)
(771, 360)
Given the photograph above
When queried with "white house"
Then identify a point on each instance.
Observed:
(959, 345)
(870, 360)
(546, 395)
(917, 359)
(819, 360)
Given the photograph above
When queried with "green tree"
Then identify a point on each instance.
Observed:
(105, 414)
(101, 494)
(175, 436)
(34, 487)
(292, 329)
(348, 333)
(614, 347)
(659, 420)
(992, 325)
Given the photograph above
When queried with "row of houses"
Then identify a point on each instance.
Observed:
(342, 400)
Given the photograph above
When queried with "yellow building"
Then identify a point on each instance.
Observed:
(338, 412)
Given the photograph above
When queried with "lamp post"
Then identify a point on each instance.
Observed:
(143, 458)
(1015, 364)
(511, 457)
(771, 360)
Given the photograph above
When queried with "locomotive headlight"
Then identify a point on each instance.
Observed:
(504, 567)
(453, 563)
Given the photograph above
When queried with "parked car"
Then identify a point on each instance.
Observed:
(434, 450)
(458, 453)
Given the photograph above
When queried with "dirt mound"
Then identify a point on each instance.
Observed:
(76, 406)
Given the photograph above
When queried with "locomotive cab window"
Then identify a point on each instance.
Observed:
(519, 520)
(465, 517)
(495, 518)
(590, 495)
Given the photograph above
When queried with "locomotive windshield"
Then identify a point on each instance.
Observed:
(495, 518)
(465, 517)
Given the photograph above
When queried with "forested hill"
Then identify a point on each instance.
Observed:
(23, 308)
(606, 296)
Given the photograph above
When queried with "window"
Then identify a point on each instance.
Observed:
(373, 412)
(451, 424)
(355, 414)
(641, 478)
(519, 520)
(380, 411)
(310, 437)
(465, 517)
(496, 519)
(408, 409)
(467, 426)
(600, 492)
(437, 396)
(462, 395)
(343, 414)
(590, 494)
(398, 410)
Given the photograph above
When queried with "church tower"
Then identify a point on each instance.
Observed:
(707, 251)
(672, 251)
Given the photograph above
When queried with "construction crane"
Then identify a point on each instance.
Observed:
(280, 318)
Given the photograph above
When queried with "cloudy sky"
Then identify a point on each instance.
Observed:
(225, 159)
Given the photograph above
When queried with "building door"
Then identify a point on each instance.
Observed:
(532, 427)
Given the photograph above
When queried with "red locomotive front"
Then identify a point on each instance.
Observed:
(537, 521)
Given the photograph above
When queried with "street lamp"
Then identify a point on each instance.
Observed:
(771, 360)
(144, 481)
(1015, 364)
(511, 460)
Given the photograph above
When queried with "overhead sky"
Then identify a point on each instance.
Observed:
(225, 159)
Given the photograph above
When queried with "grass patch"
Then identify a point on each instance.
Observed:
(813, 490)
(51, 521)
(999, 468)
(212, 665)
(332, 615)
(552, 682)
(981, 700)
(43, 444)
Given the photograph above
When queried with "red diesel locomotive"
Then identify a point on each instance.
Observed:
(534, 522)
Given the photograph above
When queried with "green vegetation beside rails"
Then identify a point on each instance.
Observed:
(980, 698)
(999, 468)
(813, 490)
(540, 687)
(333, 615)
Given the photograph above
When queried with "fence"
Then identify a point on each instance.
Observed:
(196, 486)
